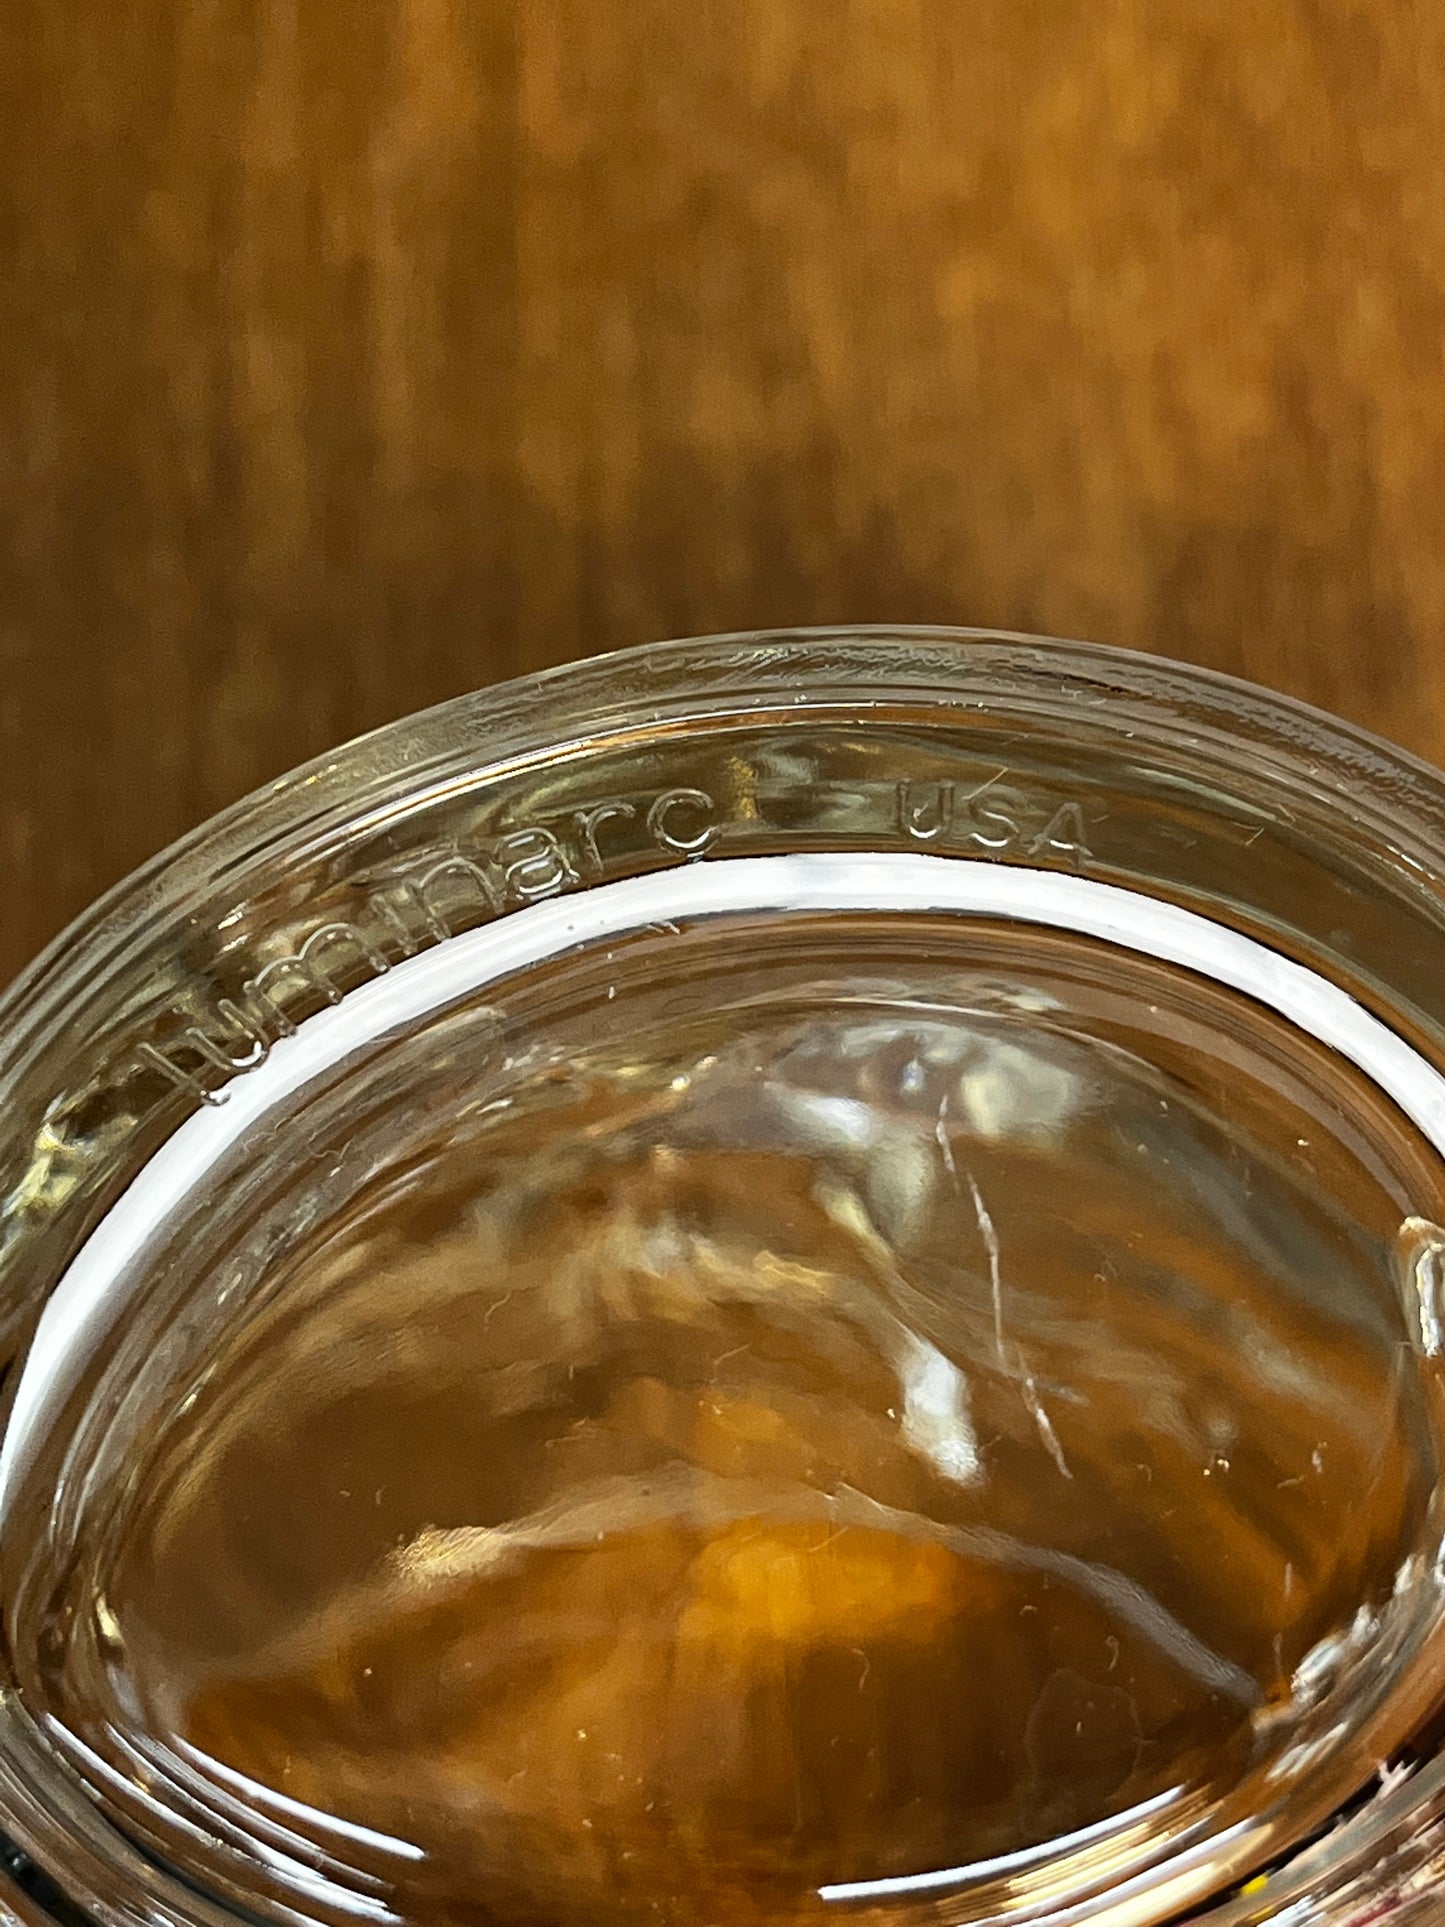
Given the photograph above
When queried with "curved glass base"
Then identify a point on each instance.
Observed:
(850, 1396)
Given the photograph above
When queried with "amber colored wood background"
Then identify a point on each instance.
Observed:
(357, 352)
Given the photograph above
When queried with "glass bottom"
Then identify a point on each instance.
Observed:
(773, 1417)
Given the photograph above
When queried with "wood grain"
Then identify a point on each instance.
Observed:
(357, 352)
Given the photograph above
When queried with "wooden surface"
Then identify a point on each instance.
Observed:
(357, 352)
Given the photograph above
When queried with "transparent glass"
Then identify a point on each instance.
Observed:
(773, 1279)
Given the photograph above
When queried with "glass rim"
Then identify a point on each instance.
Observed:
(738, 668)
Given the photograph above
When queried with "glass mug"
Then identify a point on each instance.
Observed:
(789, 1278)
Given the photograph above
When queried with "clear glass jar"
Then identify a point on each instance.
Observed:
(774, 1279)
